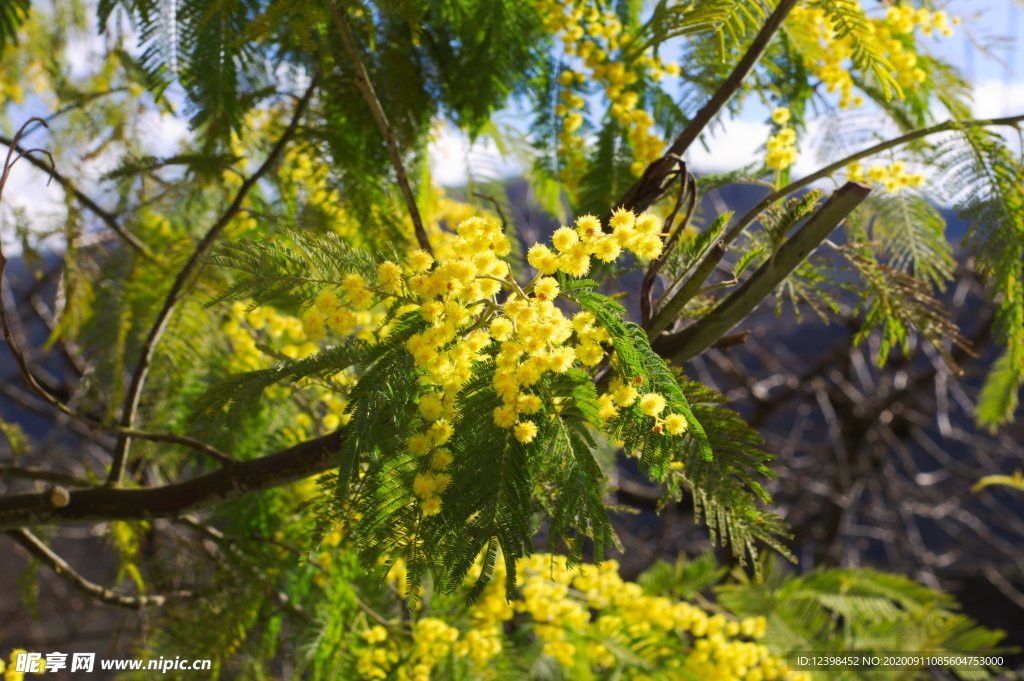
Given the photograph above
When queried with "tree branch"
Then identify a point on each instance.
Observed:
(181, 282)
(679, 300)
(112, 503)
(700, 336)
(44, 554)
(32, 380)
(651, 184)
(946, 126)
(667, 314)
(106, 216)
(370, 95)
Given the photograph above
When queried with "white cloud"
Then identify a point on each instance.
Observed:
(996, 98)
(164, 133)
(453, 159)
(730, 145)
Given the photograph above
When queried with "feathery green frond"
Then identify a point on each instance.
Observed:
(288, 272)
(848, 18)
(231, 398)
(987, 179)
(897, 303)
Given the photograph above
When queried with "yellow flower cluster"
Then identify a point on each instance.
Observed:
(907, 18)
(456, 294)
(584, 612)
(246, 330)
(308, 181)
(598, 40)
(782, 145)
(651, 404)
(585, 617)
(379, 656)
(345, 315)
(10, 671)
(892, 178)
(828, 52)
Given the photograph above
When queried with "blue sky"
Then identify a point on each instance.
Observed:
(997, 75)
(999, 91)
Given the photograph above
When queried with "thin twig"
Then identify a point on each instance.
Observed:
(31, 379)
(370, 95)
(181, 283)
(651, 184)
(687, 193)
(106, 216)
(45, 555)
(740, 225)
(678, 301)
(497, 208)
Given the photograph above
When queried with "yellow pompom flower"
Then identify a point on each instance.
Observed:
(419, 261)
(389, 277)
(676, 424)
(546, 288)
(564, 238)
(501, 329)
(606, 408)
(431, 506)
(528, 403)
(505, 416)
(624, 395)
(525, 431)
(575, 262)
(781, 115)
(314, 324)
(326, 301)
(588, 226)
(419, 444)
(606, 248)
(648, 224)
(543, 259)
(441, 459)
(622, 219)
(652, 404)
(423, 485)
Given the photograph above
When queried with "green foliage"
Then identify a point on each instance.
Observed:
(859, 610)
(729, 20)
(987, 179)
(288, 272)
(12, 15)
(726, 491)
(998, 399)
(269, 594)
(685, 578)
(228, 401)
(779, 219)
(910, 233)
(898, 303)
(849, 19)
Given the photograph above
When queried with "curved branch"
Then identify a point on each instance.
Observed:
(181, 282)
(103, 214)
(112, 503)
(700, 336)
(29, 375)
(44, 554)
(679, 300)
(649, 187)
(370, 95)
(913, 135)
